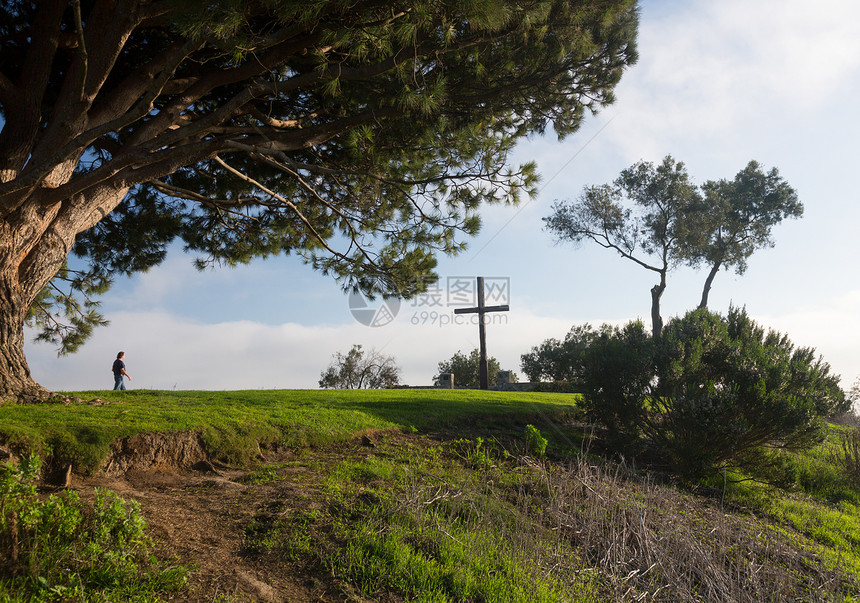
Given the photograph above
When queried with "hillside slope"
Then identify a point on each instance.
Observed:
(430, 497)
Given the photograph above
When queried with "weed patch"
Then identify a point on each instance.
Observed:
(535, 442)
(63, 549)
(463, 520)
(846, 456)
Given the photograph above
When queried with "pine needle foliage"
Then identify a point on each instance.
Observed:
(363, 137)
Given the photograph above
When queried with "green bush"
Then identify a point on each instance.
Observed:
(559, 362)
(709, 392)
(618, 380)
(63, 548)
(847, 455)
(467, 369)
(535, 442)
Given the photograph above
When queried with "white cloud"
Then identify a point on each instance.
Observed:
(164, 351)
(152, 288)
(711, 72)
(167, 352)
(831, 327)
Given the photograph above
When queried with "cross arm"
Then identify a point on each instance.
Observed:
(503, 308)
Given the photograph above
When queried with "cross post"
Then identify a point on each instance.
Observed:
(481, 310)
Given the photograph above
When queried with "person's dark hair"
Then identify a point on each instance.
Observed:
(120, 355)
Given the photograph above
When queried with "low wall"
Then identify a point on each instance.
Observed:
(502, 387)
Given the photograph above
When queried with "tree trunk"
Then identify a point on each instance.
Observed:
(16, 383)
(708, 282)
(656, 294)
(35, 240)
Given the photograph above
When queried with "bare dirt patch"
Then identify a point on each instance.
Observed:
(155, 452)
(198, 511)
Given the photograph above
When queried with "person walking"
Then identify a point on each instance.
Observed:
(119, 372)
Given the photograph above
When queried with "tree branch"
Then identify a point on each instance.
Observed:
(8, 92)
(280, 45)
(280, 123)
(144, 82)
(322, 241)
(22, 101)
(37, 172)
(608, 244)
(43, 46)
(82, 50)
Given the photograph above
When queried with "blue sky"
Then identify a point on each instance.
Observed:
(717, 84)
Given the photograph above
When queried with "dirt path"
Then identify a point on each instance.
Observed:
(199, 516)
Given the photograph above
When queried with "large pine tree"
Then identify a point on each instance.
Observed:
(362, 136)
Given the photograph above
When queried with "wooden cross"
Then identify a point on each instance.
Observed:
(481, 310)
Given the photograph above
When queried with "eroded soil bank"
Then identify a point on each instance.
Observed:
(198, 511)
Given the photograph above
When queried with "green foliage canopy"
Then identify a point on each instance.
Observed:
(362, 136)
(657, 218)
(638, 216)
(559, 361)
(733, 218)
(467, 369)
(358, 369)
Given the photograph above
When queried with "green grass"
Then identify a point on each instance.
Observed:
(832, 531)
(429, 526)
(474, 513)
(468, 520)
(819, 503)
(234, 423)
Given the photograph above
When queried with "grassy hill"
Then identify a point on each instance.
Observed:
(419, 495)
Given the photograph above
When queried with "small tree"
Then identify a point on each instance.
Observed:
(358, 369)
(466, 369)
(559, 361)
(646, 233)
(733, 218)
(655, 217)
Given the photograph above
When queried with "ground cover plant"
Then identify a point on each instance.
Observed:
(60, 548)
(480, 519)
(414, 495)
(816, 498)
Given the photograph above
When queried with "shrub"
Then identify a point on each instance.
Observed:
(708, 392)
(847, 456)
(535, 442)
(467, 369)
(618, 381)
(63, 548)
(557, 361)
